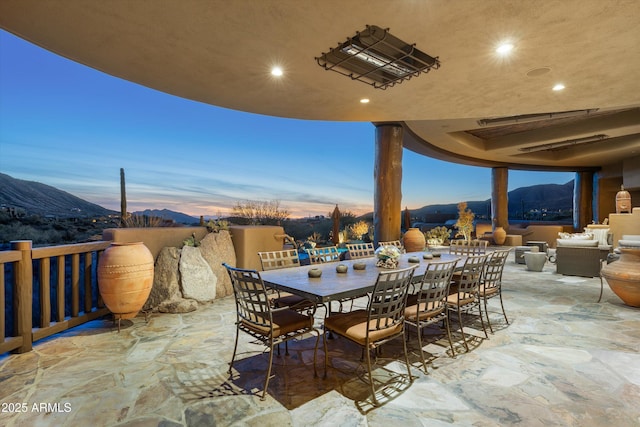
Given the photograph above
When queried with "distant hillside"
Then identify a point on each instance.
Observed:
(552, 197)
(41, 199)
(547, 196)
(178, 217)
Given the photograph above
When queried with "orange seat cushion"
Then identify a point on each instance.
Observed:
(353, 325)
(487, 291)
(454, 299)
(284, 321)
(422, 311)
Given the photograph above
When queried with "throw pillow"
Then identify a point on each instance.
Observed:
(600, 234)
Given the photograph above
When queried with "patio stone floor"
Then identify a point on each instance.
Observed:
(564, 360)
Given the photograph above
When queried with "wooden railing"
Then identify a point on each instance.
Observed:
(32, 317)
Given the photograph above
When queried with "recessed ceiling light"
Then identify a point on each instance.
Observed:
(276, 71)
(504, 48)
(364, 101)
(558, 87)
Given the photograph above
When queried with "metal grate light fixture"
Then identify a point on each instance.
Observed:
(376, 57)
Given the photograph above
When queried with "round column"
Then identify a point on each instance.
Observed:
(582, 199)
(387, 174)
(499, 198)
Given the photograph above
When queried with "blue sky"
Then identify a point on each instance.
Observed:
(72, 127)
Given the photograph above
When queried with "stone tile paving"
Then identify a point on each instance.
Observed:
(564, 360)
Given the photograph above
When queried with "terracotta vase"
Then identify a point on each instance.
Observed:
(499, 236)
(623, 276)
(125, 278)
(413, 240)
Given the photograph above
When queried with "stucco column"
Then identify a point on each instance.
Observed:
(387, 175)
(582, 200)
(500, 198)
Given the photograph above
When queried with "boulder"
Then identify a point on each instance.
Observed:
(166, 283)
(198, 280)
(217, 248)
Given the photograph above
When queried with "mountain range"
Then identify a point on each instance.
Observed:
(178, 217)
(41, 199)
(552, 197)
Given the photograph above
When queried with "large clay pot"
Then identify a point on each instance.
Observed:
(125, 278)
(499, 236)
(413, 240)
(623, 276)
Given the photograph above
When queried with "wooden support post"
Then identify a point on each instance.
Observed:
(499, 198)
(387, 183)
(582, 199)
(23, 295)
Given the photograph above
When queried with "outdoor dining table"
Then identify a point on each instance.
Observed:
(334, 286)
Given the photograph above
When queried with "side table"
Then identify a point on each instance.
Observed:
(542, 245)
(520, 250)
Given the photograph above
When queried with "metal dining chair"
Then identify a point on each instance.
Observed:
(491, 284)
(468, 247)
(323, 255)
(271, 326)
(273, 260)
(428, 305)
(382, 321)
(466, 297)
(397, 243)
(360, 250)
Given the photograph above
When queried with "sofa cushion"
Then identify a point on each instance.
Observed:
(631, 237)
(599, 234)
(576, 236)
(577, 242)
(629, 243)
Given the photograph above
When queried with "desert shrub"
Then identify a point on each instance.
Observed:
(261, 212)
(142, 221)
(441, 234)
(358, 230)
(297, 229)
(347, 218)
(464, 225)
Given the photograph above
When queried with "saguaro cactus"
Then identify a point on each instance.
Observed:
(123, 200)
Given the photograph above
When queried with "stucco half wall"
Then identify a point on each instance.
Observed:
(154, 238)
(247, 240)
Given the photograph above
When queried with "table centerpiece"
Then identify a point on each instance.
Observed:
(388, 256)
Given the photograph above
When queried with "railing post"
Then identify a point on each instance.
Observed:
(23, 294)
